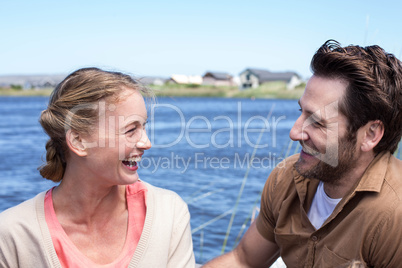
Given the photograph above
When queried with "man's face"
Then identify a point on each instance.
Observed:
(326, 153)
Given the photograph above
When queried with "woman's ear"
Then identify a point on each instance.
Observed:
(76, 143)
(374, 131)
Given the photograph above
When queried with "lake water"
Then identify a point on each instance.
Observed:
(202, 149)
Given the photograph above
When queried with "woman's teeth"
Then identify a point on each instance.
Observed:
(132, 161)
(132, 164)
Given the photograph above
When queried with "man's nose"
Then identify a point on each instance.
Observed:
(298, 133)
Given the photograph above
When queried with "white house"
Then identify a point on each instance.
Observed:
(255, 77)
(186, 79)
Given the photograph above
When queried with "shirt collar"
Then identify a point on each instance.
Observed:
(371, 181)
(373, 177)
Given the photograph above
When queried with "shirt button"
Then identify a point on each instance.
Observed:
(314, 238)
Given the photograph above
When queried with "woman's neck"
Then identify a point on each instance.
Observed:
(87, 203)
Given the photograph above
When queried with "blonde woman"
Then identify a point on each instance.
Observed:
(101, 214)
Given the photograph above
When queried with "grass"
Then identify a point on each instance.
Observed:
(272, 90)
(191, 91)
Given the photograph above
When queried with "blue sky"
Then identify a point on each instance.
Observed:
(161, 38)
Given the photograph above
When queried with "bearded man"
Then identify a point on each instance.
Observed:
(340, 199)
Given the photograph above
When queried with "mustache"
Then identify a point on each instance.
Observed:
(311, 150)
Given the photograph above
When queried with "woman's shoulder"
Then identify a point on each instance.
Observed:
(15, 221)
(161, 191)
(162, 197)
(21, 212)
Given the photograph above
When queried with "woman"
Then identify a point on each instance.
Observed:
(101, 214)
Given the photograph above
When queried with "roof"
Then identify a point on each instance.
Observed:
(148, 80)
(218, 75)
(265, 75)
(31, 78)
(34, 80)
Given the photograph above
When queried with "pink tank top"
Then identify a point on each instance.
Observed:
(70, 256)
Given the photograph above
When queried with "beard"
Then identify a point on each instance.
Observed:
(332, 173)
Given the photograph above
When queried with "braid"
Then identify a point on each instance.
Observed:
(55, 164)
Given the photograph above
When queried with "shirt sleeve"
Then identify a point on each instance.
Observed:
(265, 221)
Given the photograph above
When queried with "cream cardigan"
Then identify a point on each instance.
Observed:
(165, 241)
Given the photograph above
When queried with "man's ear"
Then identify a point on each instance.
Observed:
(76, 143)
(373, 133)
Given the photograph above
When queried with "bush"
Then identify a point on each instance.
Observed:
(16, 87)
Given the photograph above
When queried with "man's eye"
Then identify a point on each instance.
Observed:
(316, 123)
(130, 131)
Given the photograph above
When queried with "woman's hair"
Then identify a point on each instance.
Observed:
(74, 105)
(374, 90)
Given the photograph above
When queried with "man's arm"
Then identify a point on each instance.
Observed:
(253, 251)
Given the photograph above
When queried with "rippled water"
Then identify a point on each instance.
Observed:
(201, 150)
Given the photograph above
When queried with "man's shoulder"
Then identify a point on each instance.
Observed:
(285, 168)
(392, 175)
(282, 177)
(384, 179)
(395, 166)
(288, 162)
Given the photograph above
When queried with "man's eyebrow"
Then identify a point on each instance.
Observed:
(304, 110)
(315, 115)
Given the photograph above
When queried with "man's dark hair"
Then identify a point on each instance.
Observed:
(374, 90)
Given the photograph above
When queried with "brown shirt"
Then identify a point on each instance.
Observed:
(366, 225)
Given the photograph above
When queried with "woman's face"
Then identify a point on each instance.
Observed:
(119, 141)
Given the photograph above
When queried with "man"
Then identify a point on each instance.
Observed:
(340, 199)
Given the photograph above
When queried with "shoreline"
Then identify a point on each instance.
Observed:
(273, 90)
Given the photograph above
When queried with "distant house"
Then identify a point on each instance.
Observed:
(46, 81)
(186, 79)
(217, 79)
(255, 77)
(153, 80)
(32, 81)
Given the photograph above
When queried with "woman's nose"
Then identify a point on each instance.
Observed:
(144, 142)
